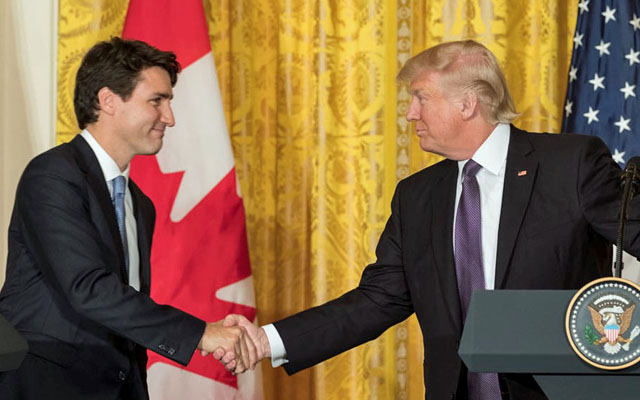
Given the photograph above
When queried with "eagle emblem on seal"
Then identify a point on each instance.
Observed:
(611, 315)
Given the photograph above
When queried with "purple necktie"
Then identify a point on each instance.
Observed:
(468, 256)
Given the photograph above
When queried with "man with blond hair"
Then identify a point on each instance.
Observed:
(506, 209)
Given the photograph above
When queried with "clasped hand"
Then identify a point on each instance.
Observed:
(236, 342)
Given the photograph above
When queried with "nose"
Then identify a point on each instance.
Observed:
(167, 117)
(413, 111)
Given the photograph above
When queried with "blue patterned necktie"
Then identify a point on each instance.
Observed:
(119, 190)
(469, 270)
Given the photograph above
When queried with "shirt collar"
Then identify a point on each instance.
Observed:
(109, 167)
(492, 154)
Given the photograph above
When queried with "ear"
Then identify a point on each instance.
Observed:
(469, 105)
(107, 100)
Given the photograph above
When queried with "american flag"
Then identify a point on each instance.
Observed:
(602, 95)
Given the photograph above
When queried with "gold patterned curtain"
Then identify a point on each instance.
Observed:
(320, 139)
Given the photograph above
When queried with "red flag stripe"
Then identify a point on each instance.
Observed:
(157, 21)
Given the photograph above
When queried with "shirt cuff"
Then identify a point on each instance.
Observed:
(278, 352)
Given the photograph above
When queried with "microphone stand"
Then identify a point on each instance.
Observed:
(630, 186)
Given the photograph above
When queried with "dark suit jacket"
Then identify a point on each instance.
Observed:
(556, 225)
(66, 287)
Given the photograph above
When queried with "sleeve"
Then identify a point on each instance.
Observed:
(66, 245)
(278, 353)
(380, 301)
(600, 196)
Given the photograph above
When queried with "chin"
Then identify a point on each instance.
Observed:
(155, 151)
(425, 146)
(155, 146)
(151, 150)
(431, 149)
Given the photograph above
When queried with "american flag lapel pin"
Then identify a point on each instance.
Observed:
(522, 173)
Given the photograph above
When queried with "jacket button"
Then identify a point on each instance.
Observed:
(122, 376)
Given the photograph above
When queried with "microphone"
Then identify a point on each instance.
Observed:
(631, 175)
(630, 182)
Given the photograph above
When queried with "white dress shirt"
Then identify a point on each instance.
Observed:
(492, 156)
(110, 171)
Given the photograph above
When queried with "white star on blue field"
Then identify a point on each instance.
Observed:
(602, 92)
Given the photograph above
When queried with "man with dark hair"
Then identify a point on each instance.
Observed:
(117, 65)
(506, 209)
(78, 275)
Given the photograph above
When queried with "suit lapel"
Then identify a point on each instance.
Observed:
(519, 177)
(144, 236)
(89, 164)
(443, 203)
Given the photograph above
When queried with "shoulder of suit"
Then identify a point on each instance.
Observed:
(563, 145)
(559, 139)
(548, 143)
(61, 160)
(430, 175)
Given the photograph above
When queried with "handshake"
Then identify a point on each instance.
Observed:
(236, 342)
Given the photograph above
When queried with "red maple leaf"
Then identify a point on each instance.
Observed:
(193, 258)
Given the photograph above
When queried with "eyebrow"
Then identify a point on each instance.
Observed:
(419, 91)
(163, 95)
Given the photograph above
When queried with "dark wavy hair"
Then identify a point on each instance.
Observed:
(116, 64)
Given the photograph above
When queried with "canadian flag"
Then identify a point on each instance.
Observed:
(200, 260)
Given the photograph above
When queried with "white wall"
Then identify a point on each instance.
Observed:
(28, 40)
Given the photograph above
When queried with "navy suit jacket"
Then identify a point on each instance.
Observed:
(557, 223)
(67, 292)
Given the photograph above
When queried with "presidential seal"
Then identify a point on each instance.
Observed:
(603, 323)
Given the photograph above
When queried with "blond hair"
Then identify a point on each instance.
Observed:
(466, 66)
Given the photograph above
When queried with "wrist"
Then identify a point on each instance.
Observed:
(264, 344)
(207, 335)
